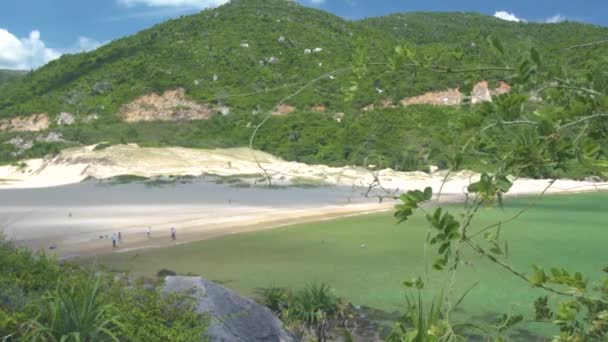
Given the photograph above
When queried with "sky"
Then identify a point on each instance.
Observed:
(34, 32)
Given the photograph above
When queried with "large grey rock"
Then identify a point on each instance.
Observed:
(65, 119)
(233, 318)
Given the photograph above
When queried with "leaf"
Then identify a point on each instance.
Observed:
(465, 294)
(495, 42)
(444, 247)
(538, 277)
(428, 193)
(535, 56)
(496, 250)
(474, 187)
(503, 183)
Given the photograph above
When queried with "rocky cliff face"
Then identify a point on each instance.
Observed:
(233, 318)
(453, 97)
(32, 123)
(172, 105)
(450, 97)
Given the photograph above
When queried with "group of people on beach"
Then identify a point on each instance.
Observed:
(117, 238)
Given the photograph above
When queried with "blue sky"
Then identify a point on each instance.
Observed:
(33, 32)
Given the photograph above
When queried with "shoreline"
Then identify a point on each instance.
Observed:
(199, 230)
(88, 232)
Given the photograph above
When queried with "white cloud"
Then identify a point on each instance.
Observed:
(558, 18)
(504, 15)
(173, 3)
(317, 2)
(24, 53)
(31, 52)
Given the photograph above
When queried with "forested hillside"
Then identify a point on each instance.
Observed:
(235, 45)
(247, 55)
(10, 75)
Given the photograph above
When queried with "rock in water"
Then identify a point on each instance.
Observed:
(233, 318)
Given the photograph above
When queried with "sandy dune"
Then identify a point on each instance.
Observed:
(76, 164)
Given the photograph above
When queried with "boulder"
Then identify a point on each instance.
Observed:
(20, 143)
(233, 318)
(65, 119)
(51, 137)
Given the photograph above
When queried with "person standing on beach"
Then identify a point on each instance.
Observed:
(148, 231)
(113, 240)
(119, 237)
(173, 233)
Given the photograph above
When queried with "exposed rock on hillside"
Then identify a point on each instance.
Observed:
(450, 97)
(339, 116)
(233, 318)
(482, 92)
(284, 109)
(172, 105)
(318, 108)
(21, 144)
(32, 123)
(25, 144)
(385, 104)
(65, 119)
(453, 97)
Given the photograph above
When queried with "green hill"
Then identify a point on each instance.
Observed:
(188, 52)
(7, 76)
(249, 54)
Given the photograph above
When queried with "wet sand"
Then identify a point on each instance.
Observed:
(191, 226)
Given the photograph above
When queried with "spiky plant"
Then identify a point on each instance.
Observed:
(75, 314)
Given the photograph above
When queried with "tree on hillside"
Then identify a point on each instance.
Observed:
(553, 119)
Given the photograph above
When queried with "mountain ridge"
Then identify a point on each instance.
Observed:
(205, 53)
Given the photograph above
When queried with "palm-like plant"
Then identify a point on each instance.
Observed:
(275, 298)
(75, 313)
(428, 324)
(316, 306)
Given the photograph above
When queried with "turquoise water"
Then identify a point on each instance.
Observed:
(569, 231)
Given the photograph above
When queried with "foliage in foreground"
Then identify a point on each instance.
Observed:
(549, 137)
(41, 300)
(313, 309)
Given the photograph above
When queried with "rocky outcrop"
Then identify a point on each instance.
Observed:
(172, 105)
(339, 116)
(318, 108)
(23, 145)
(32, 123)
(65, 119)
(452, 97)
(384, 105)
(284, 109)
(233, 318)
(502, 88)
(482, 92)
